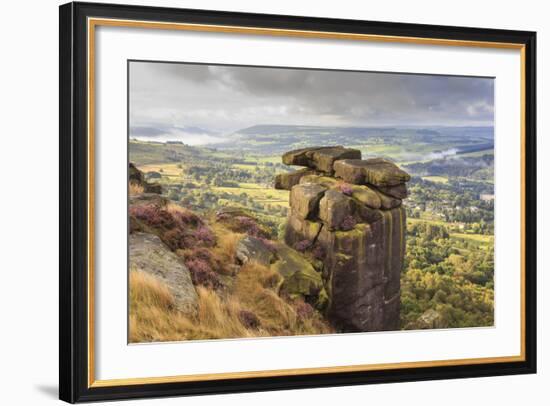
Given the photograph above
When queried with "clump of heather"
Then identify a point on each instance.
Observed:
(346, 189)
(179, 229)
(249, 319)
(202, 253)
(248, 225)
(153, 216)
(202, 274)
(205, 236)
(187, 218)
(174, 239)
(348, 223)
(302, 246)
(242, 224)
(304, 310)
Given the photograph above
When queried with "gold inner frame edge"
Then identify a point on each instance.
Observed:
(94, 22)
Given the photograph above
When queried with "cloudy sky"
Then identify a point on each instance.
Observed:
(200, 103)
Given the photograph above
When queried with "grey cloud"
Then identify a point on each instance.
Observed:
(227, 98)
(147, 131)
(189, 71)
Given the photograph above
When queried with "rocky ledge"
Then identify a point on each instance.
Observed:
(348, 213)
(136, 177)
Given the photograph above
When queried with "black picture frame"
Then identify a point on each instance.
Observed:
(74, 199)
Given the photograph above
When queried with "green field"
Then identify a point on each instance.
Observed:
(428, 221)
(480, 240)
(171, 170)
(437, 179)
(274, 159)
(261, 194)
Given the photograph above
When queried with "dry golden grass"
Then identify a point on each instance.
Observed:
(135, 189)
(219, 318)
(226, 245)
(256, 287)
(153, 316)
(176, 208)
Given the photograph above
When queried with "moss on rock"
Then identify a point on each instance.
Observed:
(301, 280)
(285, 181)
(366, 195)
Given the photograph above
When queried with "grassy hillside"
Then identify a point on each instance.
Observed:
(233, 301)
(148, 152)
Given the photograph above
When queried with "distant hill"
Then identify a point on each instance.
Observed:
(196, 130)
(477, 168)
(275, 139)
(152, 132)
(154, 152)
(404, 145)
(148, 152)
(280, 129)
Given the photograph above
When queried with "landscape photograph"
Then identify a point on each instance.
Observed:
(272, 201)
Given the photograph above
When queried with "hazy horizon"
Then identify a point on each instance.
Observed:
(200, 104)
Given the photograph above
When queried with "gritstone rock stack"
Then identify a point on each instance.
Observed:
(349, 212)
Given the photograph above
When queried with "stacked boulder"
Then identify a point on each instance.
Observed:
(348, 214)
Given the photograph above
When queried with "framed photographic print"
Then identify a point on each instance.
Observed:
(257, 202)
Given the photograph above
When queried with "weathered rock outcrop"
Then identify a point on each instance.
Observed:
(252, 248)
(135, 176)
(320, 158)
(287, 180)
(149, 254)
(149, 199)
(347, 214)
(300, 278)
